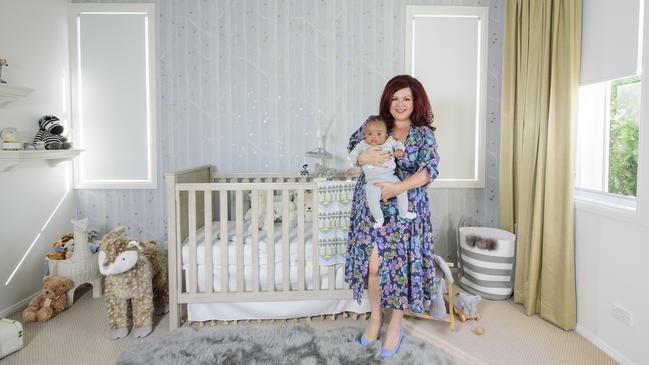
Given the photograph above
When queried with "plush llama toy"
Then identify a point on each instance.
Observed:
(137, 271)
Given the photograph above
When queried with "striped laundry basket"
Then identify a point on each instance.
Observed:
(488, 273)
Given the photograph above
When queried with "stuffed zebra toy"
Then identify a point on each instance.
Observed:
(49, 132)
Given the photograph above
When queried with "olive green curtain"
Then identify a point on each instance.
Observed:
(539, 103)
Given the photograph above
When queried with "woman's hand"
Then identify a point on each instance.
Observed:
(389, 190)
(374, 156)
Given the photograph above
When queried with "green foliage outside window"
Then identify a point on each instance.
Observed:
(623, 138)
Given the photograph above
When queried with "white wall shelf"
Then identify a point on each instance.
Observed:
(9, 159)
(10, 94)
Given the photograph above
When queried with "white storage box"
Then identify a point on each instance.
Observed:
(11, 336)
(485, 272)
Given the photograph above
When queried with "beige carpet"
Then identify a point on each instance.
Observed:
(80, 335)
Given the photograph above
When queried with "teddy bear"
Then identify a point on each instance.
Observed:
(50, 301)
(135, 271)
(49, 132)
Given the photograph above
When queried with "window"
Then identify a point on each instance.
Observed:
(608, 136)
(456, 85)
(112, 49)
(611, 132)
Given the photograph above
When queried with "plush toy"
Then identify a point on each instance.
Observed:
(49, 132)
(438, 306)
(50, 301)
(137, 271)
(466, 307)
(308, 206)
(60, 248)
(277, 211)
(481, 243)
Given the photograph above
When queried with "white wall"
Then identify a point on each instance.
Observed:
(611, 243)
(37, 201)
(612, 268)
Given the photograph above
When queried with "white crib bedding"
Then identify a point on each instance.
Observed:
(271, 309)
(262, 310)
(247, 247)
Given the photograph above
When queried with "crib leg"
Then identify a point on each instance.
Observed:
(96, 287)
(174, 318)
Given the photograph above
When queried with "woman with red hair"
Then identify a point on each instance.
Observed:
(396, 261)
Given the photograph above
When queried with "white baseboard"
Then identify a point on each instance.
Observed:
(591, 337)
(18, 306)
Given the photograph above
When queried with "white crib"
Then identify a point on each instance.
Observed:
(278, 267)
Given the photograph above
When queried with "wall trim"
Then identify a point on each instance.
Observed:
(610, 351)
(18, 306)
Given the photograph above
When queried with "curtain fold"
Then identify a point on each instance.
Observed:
(539, 103)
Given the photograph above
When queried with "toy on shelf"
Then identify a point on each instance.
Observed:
(82, 266)
(50, 301)
(50, 133)
(466, 307)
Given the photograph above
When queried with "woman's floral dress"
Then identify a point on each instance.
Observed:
(406, 248)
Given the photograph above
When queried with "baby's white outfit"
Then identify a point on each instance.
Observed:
(383, 173)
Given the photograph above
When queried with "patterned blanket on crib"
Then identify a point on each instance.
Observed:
(334, 211)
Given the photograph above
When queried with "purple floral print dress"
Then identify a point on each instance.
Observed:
(405, 248)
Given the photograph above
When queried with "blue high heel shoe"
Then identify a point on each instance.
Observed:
(389, 353)
(365, 342)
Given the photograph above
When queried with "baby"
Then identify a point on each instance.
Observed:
(376, 134)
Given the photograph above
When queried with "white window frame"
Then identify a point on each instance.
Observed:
(636, 210)
(81, 181)
(477, 136)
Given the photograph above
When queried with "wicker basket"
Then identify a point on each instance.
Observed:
(82, 267)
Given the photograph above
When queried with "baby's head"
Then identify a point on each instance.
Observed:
(376, 130)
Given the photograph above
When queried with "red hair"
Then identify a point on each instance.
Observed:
(422, 113)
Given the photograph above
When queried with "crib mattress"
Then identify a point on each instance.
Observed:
(263, 277)
(247, 247)
(265, 309)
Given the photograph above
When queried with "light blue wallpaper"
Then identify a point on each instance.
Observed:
(241, 84)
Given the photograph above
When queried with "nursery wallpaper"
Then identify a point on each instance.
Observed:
(247, 85)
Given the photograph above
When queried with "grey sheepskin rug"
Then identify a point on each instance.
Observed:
(289, 344)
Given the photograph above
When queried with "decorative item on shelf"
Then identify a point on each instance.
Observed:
(321, 171)
(50, 133)
(3, 62)
(11, 139)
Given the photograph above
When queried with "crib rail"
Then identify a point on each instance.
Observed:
(201, 198)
